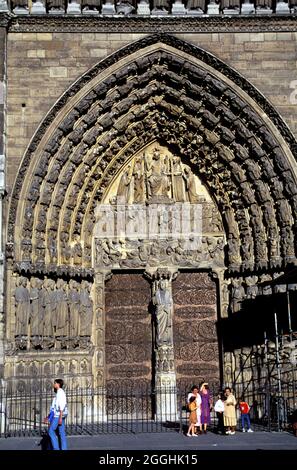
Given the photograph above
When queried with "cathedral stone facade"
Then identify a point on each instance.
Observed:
(148, 185)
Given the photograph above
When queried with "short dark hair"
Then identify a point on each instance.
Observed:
(192, 399)
(60, 382)
(193, 388)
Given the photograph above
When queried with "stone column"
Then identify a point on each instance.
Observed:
(3, 36)
(165, 375)
(98, 340)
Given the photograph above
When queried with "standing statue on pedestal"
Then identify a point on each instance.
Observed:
(36, 312)
(22, 306)
(178, 180)
(163, 303)
(62, 322)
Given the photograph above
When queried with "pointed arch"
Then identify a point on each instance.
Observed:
(158, 88)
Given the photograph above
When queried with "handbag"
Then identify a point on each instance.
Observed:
(51, 416)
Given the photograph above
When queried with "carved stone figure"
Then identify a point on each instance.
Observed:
(191, 185)
(157, 180)
(252, 288)
(86, 310)
(77, 252)
(263, 4)
(163, 303)
(161, 5)
(74, 306)
(237, 295)
(62, 311)
(37, 311)
(139, 183)
(230, 4)
(49, 319)
(91, 4)
(125, 186)
(196, 5)
(178, 182)
(22, 306)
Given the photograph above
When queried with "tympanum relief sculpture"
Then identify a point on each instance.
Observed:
(157, 213)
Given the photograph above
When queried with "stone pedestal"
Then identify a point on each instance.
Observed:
(143, 8)
(73, 9)
(3, 5)
(231, 11)
(178, 8)
(87, 11)
(56, 11)
(263, 11)
(156, 12)
(108, 9)
(21, 11)
(38, 8)
(213, 9)
(197, 12)
(282, 8)
(247, 8)
(166, 399)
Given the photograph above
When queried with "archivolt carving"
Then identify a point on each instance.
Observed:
(211, 125)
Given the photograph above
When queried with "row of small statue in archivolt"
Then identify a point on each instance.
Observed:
(51, 313)
(128, 7)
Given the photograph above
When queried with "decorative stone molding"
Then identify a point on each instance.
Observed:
(147, 24)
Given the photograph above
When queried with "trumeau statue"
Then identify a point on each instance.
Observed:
(163, 303)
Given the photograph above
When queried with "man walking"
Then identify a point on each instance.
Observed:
(59, 407)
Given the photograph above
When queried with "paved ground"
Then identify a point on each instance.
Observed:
(165, 441)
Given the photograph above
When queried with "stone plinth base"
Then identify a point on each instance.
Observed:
(195, 12)
(231, 11)
(56, 11)
(38, 9)
(108, 9)
(213, 9)
(20, 11)
(263, 11)
(73, 9)
(166, 399)
(86, 11)
(143, 8)
(282, 8)
(247, 9)
(178, 8)
(159, 12)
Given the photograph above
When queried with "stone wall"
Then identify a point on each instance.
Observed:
(41, 66)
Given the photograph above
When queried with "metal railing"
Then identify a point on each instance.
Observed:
(132, 410)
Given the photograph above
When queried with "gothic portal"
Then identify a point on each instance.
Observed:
(156, 193)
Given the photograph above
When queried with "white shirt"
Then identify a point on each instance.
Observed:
(219, 406)
(59, 402)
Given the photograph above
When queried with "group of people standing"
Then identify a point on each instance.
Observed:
(200, 405)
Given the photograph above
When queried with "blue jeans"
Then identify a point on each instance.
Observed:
(52, 434)
(245, 417)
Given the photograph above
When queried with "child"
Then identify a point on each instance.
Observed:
(193, 416)
(245, 417)
(219, 409)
